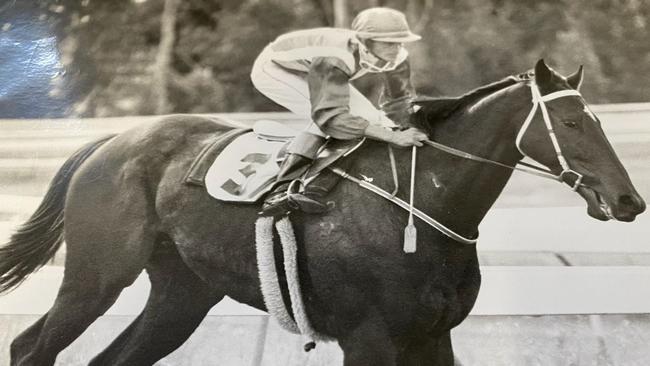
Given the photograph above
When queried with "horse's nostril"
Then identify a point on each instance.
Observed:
(631, 202)
(626, 200)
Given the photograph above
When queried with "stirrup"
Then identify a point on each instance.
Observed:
(278, 203)
(290, 200)
(292, 189)
(302, 202)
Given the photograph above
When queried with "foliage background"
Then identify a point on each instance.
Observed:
(132, 57)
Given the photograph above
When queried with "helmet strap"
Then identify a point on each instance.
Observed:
(370, 62)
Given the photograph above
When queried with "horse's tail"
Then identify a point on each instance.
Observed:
(38, 239)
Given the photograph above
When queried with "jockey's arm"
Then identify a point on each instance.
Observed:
(329, 93)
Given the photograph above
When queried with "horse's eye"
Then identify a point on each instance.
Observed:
(570, 124)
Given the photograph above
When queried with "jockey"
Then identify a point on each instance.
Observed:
(309, 72)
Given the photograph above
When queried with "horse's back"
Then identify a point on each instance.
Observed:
(173, 134)
(128, 168)
(152, 146)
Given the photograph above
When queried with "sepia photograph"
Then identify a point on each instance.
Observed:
(324, 182)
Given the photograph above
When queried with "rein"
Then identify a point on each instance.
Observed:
(525, 167)
(405, 205)
(538, 102)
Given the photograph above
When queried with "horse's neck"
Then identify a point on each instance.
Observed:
(459, 192)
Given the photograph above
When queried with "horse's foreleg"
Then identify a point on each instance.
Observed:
(106, 251)
(368, 344)
(178, 301)
(433, 350)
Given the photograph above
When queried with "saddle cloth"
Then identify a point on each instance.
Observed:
(245, 169)
(242, 165)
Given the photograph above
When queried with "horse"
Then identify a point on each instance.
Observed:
(121, 206)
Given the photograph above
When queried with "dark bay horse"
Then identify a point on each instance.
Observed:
(121, 206)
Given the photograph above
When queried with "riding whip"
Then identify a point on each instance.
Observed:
(410, 232)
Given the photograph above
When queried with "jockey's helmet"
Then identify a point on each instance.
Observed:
(384, 25)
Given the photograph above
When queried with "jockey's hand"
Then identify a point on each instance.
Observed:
(409, 137)
(405, 138)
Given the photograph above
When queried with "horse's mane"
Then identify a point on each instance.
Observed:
(435, 110)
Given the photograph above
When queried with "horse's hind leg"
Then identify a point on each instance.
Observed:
(76, 307)
(106, 252)
(81, 300)
(26, 339)
(178, 301)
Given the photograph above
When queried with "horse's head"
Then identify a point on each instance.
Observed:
(575, 147)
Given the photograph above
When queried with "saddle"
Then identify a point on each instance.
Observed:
(241, 165)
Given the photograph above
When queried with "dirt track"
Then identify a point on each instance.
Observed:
(479, 341)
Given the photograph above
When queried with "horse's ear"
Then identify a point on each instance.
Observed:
(543, 74)
(575, 80)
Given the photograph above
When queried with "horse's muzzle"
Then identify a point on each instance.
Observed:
(624, 207)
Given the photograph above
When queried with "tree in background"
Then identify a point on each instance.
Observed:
(163, 57)
(217, 44)
(117, 59)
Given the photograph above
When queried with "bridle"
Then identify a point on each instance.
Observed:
(539, 102)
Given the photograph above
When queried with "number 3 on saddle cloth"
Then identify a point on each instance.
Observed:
(241, 165)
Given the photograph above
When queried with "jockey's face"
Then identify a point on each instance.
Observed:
(386, 51)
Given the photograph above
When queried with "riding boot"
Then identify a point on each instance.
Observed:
(280, 200)
(321, 186)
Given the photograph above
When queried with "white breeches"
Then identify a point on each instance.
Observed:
(292, 92)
